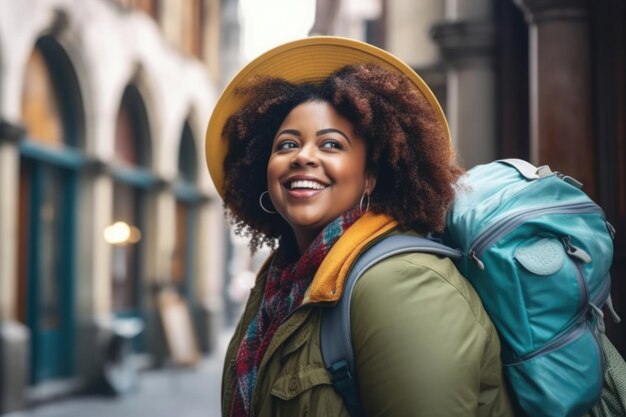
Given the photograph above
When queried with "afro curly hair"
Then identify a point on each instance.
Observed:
(407, 147)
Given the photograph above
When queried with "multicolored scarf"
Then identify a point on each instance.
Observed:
(284, 290)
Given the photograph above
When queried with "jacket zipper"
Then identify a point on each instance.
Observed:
(507, 224)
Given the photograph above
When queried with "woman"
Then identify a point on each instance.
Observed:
(320, 148)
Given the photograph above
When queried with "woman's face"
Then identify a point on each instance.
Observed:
(316, 170)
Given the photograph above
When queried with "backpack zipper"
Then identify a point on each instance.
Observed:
(576, 258)
(509, 223)
(597, 302)
(562, 340)
(600, 354)
(565, 339)
(570, 334)
(603, 294)
(604, 297)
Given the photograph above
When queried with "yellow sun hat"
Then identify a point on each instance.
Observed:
(308, 60)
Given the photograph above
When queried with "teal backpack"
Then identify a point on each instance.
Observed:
(538, 252)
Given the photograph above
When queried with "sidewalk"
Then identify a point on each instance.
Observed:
(161, 393)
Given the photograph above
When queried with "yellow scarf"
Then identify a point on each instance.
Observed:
(327, 285)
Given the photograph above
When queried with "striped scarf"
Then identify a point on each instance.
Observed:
(284, 290)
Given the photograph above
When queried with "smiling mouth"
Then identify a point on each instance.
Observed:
(305, 185)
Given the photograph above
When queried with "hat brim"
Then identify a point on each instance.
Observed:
(308, 60)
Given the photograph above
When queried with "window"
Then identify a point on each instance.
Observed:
(41, 110)
(125, 233)
(186, 213)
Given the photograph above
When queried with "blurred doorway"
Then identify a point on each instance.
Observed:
(46, 210)
(50, 160)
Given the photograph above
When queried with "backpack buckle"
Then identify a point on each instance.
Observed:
(341, 375)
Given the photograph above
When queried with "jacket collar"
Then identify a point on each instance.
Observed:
(327, 285)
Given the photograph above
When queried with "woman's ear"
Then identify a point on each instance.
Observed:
(370, 182)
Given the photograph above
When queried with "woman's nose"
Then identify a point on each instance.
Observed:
(304, 157)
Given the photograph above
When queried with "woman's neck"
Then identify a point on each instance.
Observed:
(303, 241)
(296, 243)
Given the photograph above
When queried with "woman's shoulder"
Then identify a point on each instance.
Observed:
(420, 281)
(414, 316)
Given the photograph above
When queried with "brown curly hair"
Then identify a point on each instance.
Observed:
(407, 147)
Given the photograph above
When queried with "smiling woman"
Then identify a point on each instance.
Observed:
(350, 146)
(316, 172)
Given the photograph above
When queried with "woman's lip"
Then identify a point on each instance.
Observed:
(301, 193)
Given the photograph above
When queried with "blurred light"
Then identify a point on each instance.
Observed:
(135, 235)
(120, 233)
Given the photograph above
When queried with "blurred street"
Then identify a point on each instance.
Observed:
(166, 392)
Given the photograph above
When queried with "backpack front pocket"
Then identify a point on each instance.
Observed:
(553, 289)
(567, 364)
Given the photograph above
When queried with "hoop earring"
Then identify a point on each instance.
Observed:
(367, 206)
(261, 203)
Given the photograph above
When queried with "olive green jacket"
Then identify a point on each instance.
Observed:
(424, 345)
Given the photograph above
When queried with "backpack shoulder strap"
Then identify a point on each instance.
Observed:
(336, 337)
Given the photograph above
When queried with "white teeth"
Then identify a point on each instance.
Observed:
(306, 184)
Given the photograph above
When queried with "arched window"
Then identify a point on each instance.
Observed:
(132, 132)
(132, 178)
(41, 109)
(187, 196)
(50, 159)
(52, 108)
(187, 167)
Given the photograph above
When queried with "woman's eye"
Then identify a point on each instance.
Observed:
(332, 144)
(286, 144)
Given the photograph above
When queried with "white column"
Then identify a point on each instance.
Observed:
(160, 242)
(14, 336)
(210, 254)
(466, 40)
(103, 214)
(209, 272)
(408, 31)
(9, 180)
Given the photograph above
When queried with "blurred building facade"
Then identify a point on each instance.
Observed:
(539, 80)
(103, 106)
(105, 195)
